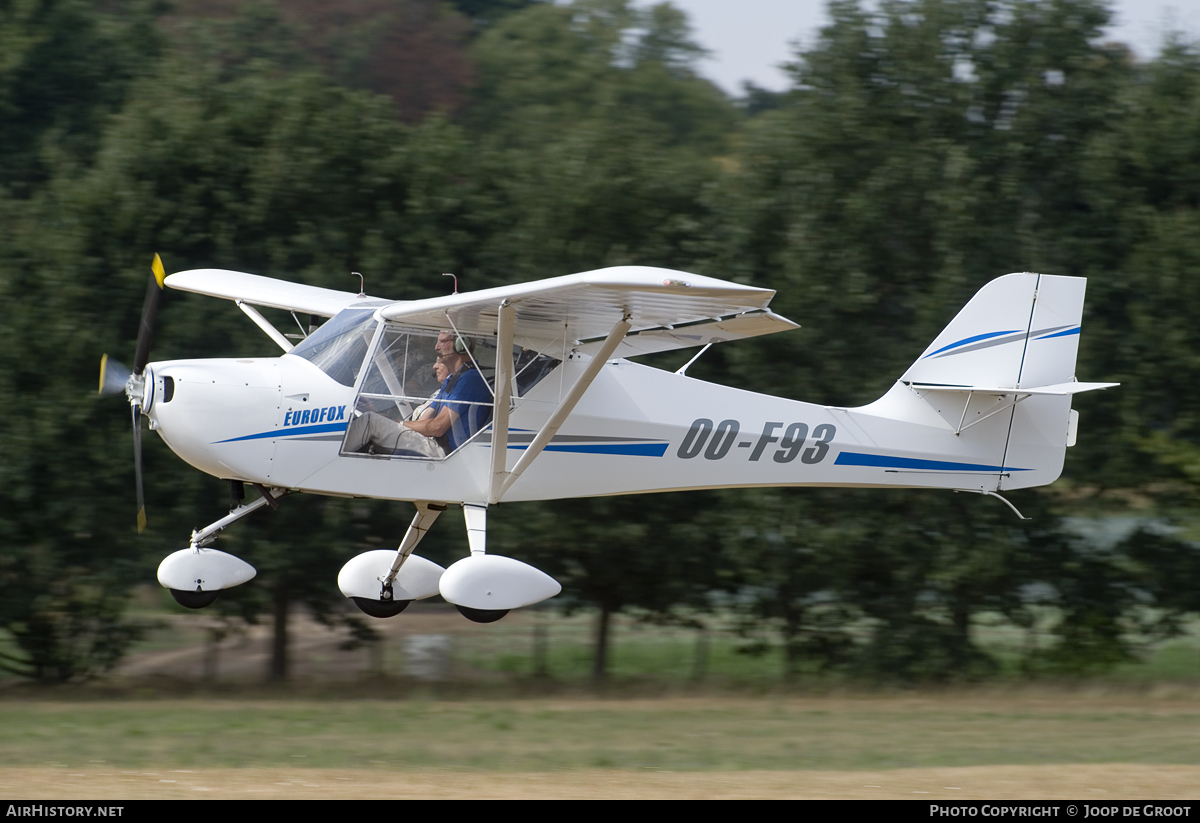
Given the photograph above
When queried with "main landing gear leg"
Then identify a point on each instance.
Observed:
(388, 605)
(382, 583)
(475, 516)
(421, 523)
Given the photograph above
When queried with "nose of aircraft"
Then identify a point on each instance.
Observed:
(220, 416)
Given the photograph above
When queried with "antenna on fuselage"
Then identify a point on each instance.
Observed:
(362, 284)
(448, 274)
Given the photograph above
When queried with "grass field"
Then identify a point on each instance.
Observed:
(1000, 745)
(682, 734)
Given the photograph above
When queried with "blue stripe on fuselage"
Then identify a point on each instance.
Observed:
(622, 449)
(290, 432)
(885, 461)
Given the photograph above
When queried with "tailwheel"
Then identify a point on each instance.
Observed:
(481, 615)
(380, 608)
(194, 600)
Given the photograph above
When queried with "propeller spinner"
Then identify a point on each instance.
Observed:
(115, 377)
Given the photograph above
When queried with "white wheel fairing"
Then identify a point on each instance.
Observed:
(361, 577)
(203, 570)
(491, 582)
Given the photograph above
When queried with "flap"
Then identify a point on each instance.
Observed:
(739, 327)
(578, 307)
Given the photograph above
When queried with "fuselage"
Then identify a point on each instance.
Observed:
(281, 422)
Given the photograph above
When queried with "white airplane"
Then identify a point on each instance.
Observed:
(556, 410)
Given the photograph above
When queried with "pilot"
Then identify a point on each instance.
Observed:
(461, 407)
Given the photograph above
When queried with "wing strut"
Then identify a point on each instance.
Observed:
(565, 407)
(504, 366)
(265, 324)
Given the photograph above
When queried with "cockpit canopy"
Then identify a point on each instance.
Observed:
(392, 366)
(339, 347)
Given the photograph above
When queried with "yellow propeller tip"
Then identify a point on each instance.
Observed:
(141, 520)
(103, 369)
(160, 274)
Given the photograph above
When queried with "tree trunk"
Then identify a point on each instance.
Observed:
(600, 655)
(791, 646)
(960, 611)
(211, 652)
(279, 644)
(541, 644)
(700, 658)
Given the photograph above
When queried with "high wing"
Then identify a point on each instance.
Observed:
(620, 311)
(264, 291)
(665, 310)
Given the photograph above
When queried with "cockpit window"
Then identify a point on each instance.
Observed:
(403, 383)
(339, 347)
(415, 374)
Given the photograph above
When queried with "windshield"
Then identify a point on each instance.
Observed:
(339, 347)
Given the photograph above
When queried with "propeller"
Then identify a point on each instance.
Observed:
(113, 376)
(116, 377)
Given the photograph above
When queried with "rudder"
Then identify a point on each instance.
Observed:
(1039, 429)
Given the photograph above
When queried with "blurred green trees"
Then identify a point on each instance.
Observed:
(925, 147)
(65, 65)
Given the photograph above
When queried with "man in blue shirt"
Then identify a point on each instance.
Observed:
(464, 402)
(460, 408)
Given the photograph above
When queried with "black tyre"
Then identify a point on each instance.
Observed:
(194, 600)
(380, 608)
(482, 615)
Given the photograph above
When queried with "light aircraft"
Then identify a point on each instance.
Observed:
(559, 411)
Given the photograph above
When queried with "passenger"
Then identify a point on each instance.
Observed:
(425, 410)
(460, 408)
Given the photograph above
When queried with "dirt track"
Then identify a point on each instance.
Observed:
(1092, 783)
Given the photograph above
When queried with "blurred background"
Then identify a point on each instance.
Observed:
(913, 151)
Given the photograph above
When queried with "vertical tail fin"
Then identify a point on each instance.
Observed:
(1001, 376)
(1020, 330)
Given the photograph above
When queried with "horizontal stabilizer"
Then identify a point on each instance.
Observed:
(1059, 389)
